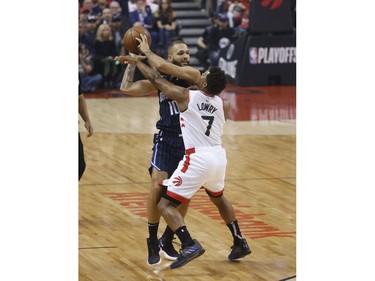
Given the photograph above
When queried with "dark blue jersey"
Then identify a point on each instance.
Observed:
(168, 109)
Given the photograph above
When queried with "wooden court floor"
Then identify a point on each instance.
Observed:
(260, 183)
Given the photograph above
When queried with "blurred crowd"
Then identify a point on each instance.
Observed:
(103, 23)
(229, 20)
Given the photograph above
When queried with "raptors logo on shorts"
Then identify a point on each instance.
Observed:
(177, 181)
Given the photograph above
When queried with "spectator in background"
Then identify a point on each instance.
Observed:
(133, 5)
(89, 5)
(101, 5)
(88, 81)
(222, 6)
(106, 16)
(115, 8)
(90, 33)
(105, 52)
(82, 37)
(154, 4)
(165, 18)
(124, 4)
(83, 14)
(143, 16)
(236, 15)
(122, 17)
(214, 38)
(117, 34)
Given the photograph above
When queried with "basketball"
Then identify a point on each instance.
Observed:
(129, 41)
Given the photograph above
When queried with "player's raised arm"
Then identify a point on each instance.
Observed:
(179, 69)
(128, 87)
(169, 89)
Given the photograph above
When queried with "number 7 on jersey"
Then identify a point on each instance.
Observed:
(210, 120)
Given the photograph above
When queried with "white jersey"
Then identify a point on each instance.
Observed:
(205, 160)
(202, 123)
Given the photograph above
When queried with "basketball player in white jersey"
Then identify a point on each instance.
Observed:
(202, 117)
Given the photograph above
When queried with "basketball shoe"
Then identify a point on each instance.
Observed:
(167, 249)
(188, 254)
(239, 251)
(153, 252)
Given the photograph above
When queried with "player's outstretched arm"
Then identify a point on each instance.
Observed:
(128, 87)
(188, 73)
(169, 89)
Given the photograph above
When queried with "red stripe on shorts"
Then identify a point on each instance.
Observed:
(187, 159)
(215, 194)
(177, 197)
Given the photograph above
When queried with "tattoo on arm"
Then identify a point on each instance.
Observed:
(128, 77)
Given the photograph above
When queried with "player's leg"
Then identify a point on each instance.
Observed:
(191, 249)
(175, 153)
(153, 216)
(162, 164)
(182, 185)
(215, 189)
(166, 240)
(240, 247)
(164, 245)
(81, 158)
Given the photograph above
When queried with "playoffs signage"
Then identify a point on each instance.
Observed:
(269, 55)
(260, 60)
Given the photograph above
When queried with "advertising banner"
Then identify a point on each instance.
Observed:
(260, 60)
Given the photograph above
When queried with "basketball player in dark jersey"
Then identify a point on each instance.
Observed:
(168, 148)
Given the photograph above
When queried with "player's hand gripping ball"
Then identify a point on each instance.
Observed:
(129, 41)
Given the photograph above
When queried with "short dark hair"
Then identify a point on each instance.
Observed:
(171, 44)
(216, 80)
